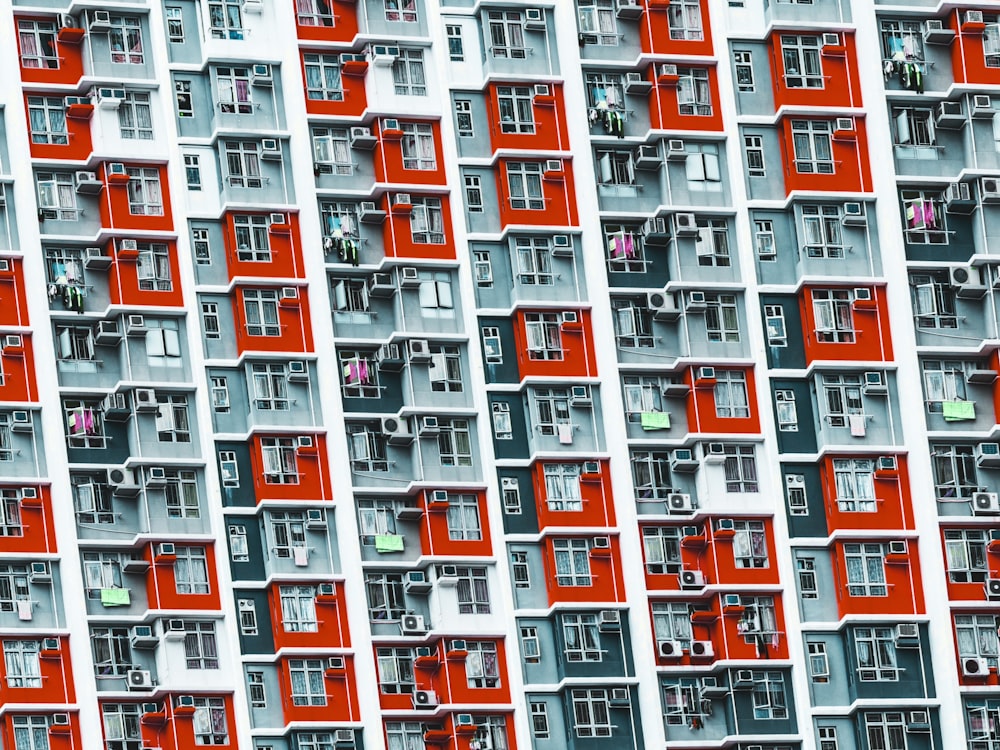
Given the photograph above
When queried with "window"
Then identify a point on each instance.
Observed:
(551, 407)
(408, 73)
(991, 41)
(210, 721)
(339, 217)
(200, 647)
(954, 471)
(731, 400)
(185, 103)
(803, 65)
(662, 549)
(764, 239)
(47, 118)
(502, 427)
(84, 424)
(180, 492)
(562, 487)
(376, 518)
(524, 184)
(191, 571)
(530, 645)
(774, 324)
(14, 587)
(913, 127)
(510, 493)
(21, 664)
(753, 149)
(38, 44)
(252, 242)
(463, 518)
(702, 169)
(984, 724)
(239, 550)
(350, 297)
(332, 151)
(456, 48)
(750, 544)
(759, 624)
(605, 89)
(902, 38)
(10, 511)
(933, 300)
(813, 146)
(172, 425)
(229, 469)
(843, 401)
(539, 720)
(598, 24)
(833, 315)
(395, 670)
(288, 534)
(31, 732)
(924, 217)
(741, 468)
(473, 591)
(643, 395)
(314, 13)
(210, 320)
(682, 704)
(722, 320)
(243, 164)
(572, 561)
(270, 386)
(492, 346)
(418, 146)
(225, 18)
(581, 637)
(819, 662)
(192, 173)
(91, 499)
(516, 109)
(260, 307)
(544, 336)
(482, 261)
(944, 380)
(463, 118)
(795, 490)
(744, 71)
(672, 622)
(122, 730)
(821, 229)
(651, 475)
(125, 40)
(875, 649)
(591, 714)
(506, 29)
(885, 730)
(135, 120)
(855, 485)
(694, 95)
(520, 570)
(454, 442)
(323, 740)
(977, 637)
(402, 735)
(153, 268)
(712, 243)
(323, 81)
(57, 196)
(367, 447)
(965, 555)
(255, 689)
(298, 609)
(684, 20)
(427, 221)
(75, 349)
(101, 571)
(307, 681)
(385, 596)
(482, 668)
(769, 696)
(865, 569)
(144, 195)
(615, 168)
(626, 250)
(359, 375)
(400, 10)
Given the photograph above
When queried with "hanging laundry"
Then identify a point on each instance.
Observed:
(565, 434)
(301, 556)
(629, 246)
(857, 423)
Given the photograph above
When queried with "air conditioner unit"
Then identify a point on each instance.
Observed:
(419, 351)
(122, 482)
(88, 184)
(438, 499)
(270, 149)
(935, 32)
(298, 371)
(458, 646)
(448, 575)
(988, 455)
(671, 649)
(570, 319)
(918, 721)
(145, 400)
(579, 396)
(100, 20)
(600, 542)
(973, 16)
(143, 637)
(743, 679)
(261, 74)
(562, 247)
(412, 625)
(663, 305)
(428, 427)
(609, 620)
(40, 572)
(667, 73)
(464, 720)
(416, 582)
(831, 40)
(326, 590)
(110, 99)
(534, 18)
(185, 701)
(907, 631)
(66, 21)
(655, 232)
(409, 277)
(362, 138)
(691, 532)
(315, 519)
(679, 502)
(985, 503)
(692, 579)
(425, 699)
(975, 666)
(335, 663)
(844, 124)
(897, 547)
(683, 460)
(875, 383)
(553, 166)
(696, 302)
(958, 198)
(139, 679)
(543, 89)
(648, 157)
(278, 219)
(166, 550)
(676, 150)
(60, 719)
(685, 225)
(397, 430)
(383, 55)
(156, 476)
(732, 601)
(854, 215)
(135, 325)
(701, 650)
(590, 469)
(992, 588)
(370, 213)
(982, 105)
